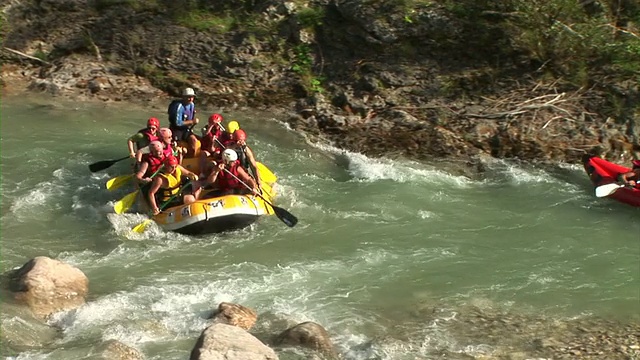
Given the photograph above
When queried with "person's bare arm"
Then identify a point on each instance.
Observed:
(143, 169)
(252, 163)
(244, 176)
(142, 151)
(629, 178)
(130, 142)
(213, 176)
(155, 186)
(132, 152)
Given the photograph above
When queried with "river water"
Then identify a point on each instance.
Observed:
(377, 240)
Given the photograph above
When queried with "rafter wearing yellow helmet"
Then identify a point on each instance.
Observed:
(232, 127)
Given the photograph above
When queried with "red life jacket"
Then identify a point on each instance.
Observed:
(224, 137)
(154, 163)
(168, 151)
(228, 143)
(207, 141)
(148, 138)
(226, 181)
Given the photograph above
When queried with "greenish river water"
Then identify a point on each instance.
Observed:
(377, 239)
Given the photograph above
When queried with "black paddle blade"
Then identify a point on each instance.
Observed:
(101, 165)
(104, 164)
(285, 216)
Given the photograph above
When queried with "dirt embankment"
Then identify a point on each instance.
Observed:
(417, 89)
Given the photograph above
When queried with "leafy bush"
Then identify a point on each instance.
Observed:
(203, 20)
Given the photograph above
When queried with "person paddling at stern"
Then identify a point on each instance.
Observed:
(631, 178)
(228, 176)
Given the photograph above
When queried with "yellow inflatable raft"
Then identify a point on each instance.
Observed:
(213, 213)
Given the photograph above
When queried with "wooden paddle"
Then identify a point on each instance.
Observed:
(286, 217)
(105, 164)
(118, 181)
(608, 189)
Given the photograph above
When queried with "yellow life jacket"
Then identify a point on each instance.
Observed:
(173, 184)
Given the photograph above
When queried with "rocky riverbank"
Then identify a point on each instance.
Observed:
(345, 82)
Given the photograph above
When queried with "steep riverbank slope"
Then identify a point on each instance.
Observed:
(386, 78)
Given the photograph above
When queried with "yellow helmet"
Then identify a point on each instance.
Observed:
(233, 126)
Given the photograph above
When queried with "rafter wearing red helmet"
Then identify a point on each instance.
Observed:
(168, 184)
(143, 137)
(245, 154)
(210, 140)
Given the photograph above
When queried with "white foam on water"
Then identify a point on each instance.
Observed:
(367, 169)
(62, 174)
(42, 194)
(522, 174)
(426, 214)
(567, 166)
(79, 258)
(541, 279)
(134, 335)
(96, 315)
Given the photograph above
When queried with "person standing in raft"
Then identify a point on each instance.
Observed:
(169, 184)
(182, 117)
(228, 182)
(632, 178)
(143, 137)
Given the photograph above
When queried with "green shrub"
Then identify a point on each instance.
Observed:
(205, 21)
(311, 17)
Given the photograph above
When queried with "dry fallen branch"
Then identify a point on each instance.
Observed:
(27, 56)
(543, 107)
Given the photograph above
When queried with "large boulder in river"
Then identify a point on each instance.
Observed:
(236, 315)
(48, 286)
(115, 350)
(310, 335)
(222, 341)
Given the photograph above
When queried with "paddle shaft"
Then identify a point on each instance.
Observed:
(253, 168)
(174, 196)
(142, 226)
(105, 164)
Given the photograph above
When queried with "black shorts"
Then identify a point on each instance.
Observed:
(181, 134)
